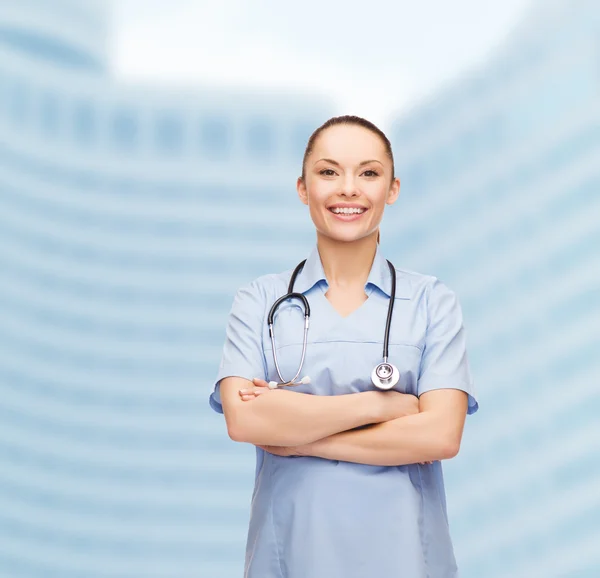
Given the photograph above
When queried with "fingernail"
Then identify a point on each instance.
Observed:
(243, 391)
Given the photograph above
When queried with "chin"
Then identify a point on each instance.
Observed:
(346, 237)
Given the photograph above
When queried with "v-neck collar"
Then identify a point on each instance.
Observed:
(324, 287)
(379, 276)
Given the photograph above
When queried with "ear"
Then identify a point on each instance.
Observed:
(394, 192)
(301, 188)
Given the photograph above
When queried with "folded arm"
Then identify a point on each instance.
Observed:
(287, 418)
(433, 434)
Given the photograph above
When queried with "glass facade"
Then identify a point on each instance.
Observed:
(129, 218)
(501, 202)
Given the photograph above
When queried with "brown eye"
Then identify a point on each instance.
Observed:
(327, 172)
(371, 173)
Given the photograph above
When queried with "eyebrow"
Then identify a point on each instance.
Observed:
(331, 161)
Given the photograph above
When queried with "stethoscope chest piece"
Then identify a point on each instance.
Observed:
(385, 376)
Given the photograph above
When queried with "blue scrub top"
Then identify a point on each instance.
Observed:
(318, 518)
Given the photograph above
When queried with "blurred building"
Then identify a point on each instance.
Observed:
(501, 182)
(129, 215)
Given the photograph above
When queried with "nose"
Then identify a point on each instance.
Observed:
(349, 186)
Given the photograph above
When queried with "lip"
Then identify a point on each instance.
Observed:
(347, 218)
(347, 206)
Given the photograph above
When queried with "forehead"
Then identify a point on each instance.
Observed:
(345, 141)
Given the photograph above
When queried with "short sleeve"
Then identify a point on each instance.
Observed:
(243, 354)
(444, 363)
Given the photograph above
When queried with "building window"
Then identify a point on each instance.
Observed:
(84, 123)
(50, 114)
(169, 133)
(416, 177)
(300, 135)
(443, 163)
(3, 95)
(259, 139)
(17, 100)
(125, 130)
(215, 138)
(45, 47)
(400, 132)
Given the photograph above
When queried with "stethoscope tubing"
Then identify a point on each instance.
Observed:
(388, 321)
(293, 295)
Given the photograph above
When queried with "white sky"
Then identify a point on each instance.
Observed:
(370, 57)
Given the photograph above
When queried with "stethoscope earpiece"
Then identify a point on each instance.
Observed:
(304, 381)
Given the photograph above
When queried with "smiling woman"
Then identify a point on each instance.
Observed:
(339, 446)
(376, 172)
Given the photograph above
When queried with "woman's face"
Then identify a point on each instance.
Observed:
(348, 182)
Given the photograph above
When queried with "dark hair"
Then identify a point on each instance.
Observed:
(347, 119)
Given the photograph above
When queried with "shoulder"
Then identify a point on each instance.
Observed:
(414, 278)
(265, 288)
(425, 289)
(413, 284)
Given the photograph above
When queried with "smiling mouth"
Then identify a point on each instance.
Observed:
(347, 210)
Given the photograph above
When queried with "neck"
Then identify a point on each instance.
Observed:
(347, 264)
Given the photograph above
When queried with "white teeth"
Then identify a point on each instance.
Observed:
(347, 210)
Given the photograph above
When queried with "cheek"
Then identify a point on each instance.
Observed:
(316, 211)
(317, 197)
(378, 196)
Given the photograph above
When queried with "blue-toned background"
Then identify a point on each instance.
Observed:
(131, 213)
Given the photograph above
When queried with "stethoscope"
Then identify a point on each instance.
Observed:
(384, 376)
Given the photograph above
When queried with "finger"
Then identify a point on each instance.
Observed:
(260, 382)
(253, 391)
(248, 397)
